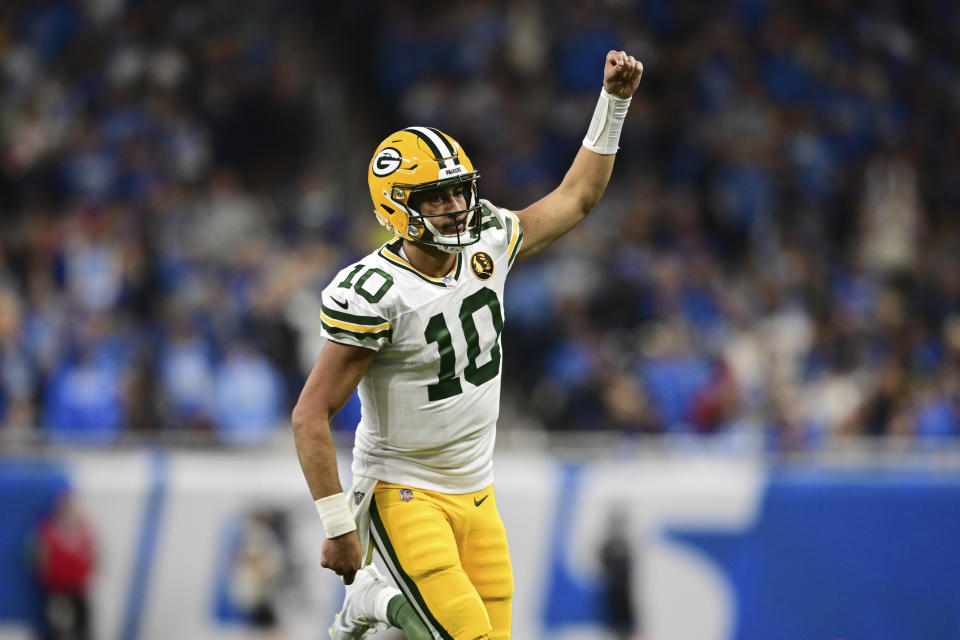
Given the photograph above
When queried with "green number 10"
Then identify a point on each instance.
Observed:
(448, 384)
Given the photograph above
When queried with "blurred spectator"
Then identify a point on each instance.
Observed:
(619, 566)
(257, 572)
(84, 401)
(17, 375)
(186, 365)
(247, 397)
(65, 556)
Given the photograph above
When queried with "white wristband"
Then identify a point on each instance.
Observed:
(335, 515)
(603, 135)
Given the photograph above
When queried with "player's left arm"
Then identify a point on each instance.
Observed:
(563, 208)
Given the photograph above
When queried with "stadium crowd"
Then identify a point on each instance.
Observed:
(778, 254)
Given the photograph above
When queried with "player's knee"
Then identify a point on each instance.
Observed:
(496, 587)
(426, 563)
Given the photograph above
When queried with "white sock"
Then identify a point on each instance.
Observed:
(383, 596)
(382, 602)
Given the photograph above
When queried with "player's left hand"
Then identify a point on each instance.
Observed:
(621, 74)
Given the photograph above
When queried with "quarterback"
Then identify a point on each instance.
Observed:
(416, 326)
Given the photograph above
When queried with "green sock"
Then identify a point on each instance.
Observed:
(400, 614)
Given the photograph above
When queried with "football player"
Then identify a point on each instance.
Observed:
(416, 325)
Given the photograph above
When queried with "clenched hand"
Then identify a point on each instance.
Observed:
(621, 74)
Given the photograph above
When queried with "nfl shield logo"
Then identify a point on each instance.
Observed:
(358, 496)
(406, 495)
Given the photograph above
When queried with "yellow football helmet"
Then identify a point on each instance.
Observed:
(419, 159)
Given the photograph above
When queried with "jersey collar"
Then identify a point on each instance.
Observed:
(390, 253)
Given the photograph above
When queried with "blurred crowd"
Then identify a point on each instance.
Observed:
(777, 255)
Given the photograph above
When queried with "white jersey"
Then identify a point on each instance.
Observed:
(431, 396)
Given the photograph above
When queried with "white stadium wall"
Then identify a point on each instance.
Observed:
(703, 559)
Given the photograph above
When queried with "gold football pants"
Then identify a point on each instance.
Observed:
(448, 554)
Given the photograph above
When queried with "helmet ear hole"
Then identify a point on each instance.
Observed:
(413, 202)
(389, 210)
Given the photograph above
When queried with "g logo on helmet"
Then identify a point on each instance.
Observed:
(386, 162)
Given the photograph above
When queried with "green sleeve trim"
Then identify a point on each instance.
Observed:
(378, 337)
(349, 317)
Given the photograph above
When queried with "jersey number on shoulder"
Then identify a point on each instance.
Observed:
(449, 383)
(358, 287)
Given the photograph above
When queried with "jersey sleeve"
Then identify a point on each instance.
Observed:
(352, 310)
(504, 229)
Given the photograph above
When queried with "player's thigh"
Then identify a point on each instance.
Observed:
(485, 556)
(484, 551)
(418, 545)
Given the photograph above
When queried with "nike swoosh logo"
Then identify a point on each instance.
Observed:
(340, 303)
(479, 502)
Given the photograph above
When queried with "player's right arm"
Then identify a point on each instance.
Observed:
(566, 206)
(334, 377)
